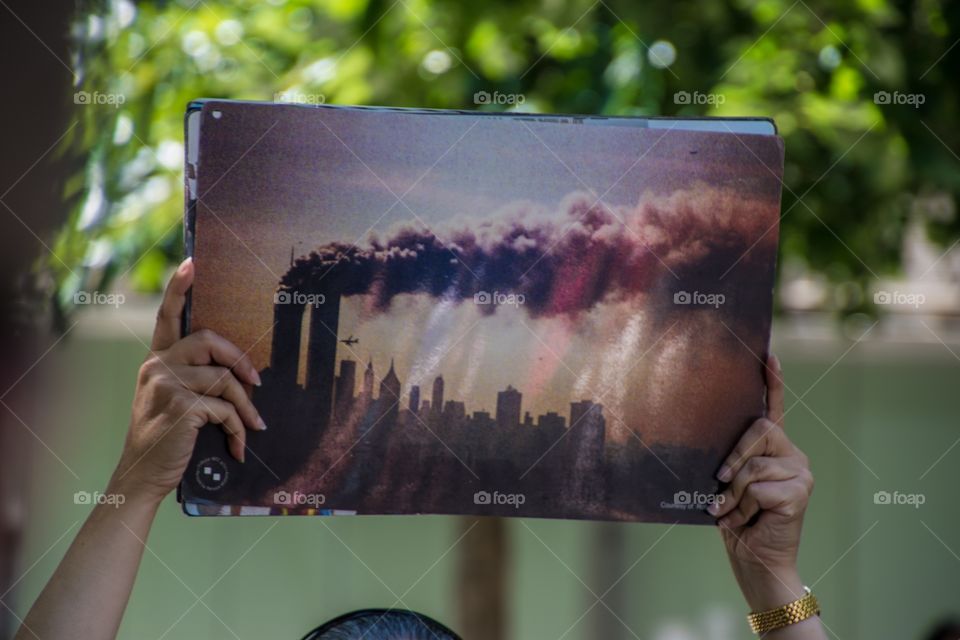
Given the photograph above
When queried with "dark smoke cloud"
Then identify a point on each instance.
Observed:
(566, 263)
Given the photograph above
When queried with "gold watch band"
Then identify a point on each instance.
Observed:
(791, 613)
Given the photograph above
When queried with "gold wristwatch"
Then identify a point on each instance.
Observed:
(791, 613)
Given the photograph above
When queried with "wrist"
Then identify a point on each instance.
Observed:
(134, 494)
(769, 587)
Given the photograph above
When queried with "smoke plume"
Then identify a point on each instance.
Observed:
(562, 264)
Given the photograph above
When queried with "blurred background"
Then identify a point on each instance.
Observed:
(866, 96)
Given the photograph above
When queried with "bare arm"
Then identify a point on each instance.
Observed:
(183, 385)
(87, 594)
(761, 513)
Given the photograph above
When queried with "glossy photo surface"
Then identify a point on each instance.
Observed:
(468, 314)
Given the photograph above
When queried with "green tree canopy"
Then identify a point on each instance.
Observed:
(864, 93)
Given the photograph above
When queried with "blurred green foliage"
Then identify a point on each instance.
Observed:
(856, 170)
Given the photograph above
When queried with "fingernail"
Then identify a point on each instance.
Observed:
(243, 456)
(256, 377)
(261, 424)
(724, 474)
(713, 508)
(185, 265)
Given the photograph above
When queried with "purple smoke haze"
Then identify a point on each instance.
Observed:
(563, 263)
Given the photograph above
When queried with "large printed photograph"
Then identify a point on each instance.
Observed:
(461, 314)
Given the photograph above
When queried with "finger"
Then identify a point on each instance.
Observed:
(222, 412)
(775, 387)
(745, 510)
(755, 469)
(206, 347)
(220, 382)
(763, 438)
(167, 329)
(785, 499)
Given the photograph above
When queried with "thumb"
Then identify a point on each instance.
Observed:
(169, 316)
(775, 387)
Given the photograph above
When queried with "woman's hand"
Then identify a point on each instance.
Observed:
(761, 511)
(183, 385)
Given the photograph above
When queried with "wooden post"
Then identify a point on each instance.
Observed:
(482, 579)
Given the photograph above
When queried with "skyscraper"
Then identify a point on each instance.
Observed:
(508, 408)
(322, 353)
(586, 417)
(285, 345)
(586, 466)
(578, 412)
(390, 396)
(344, 388)
(437, 402)
(368, 380)
(415, 398)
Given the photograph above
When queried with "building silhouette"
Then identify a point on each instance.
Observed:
(508, 407)
(437, 398)
(510, 437)
(551, 421)
(455, 411)
(344, 388)
(368, 381)
(415, 399)
(389, 399)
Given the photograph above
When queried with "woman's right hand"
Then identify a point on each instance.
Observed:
(183, 384)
